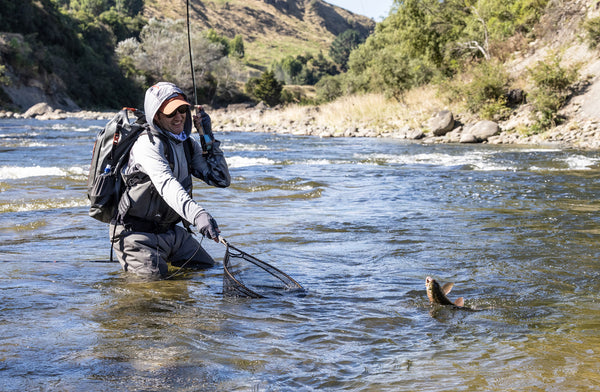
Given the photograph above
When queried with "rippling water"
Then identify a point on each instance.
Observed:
(360, 223)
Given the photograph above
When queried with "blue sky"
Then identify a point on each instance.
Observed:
(375, 9)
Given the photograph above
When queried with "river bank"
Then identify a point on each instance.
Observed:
(352, 117)
(421, 117)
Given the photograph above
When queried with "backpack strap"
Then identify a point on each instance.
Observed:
(189, 153)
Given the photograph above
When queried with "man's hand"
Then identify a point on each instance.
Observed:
(207, 226)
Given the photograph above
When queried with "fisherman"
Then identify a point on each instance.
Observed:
(158, 177)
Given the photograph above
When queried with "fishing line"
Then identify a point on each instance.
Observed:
(179, 271)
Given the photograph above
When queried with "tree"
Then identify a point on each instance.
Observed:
(237, 46)
(122, 26)
(266, 88)
(93, 7)
(342, 45)
(288, 70)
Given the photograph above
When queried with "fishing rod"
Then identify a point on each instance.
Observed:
(190, 52)
(205, 139)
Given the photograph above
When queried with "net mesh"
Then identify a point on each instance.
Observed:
(246, 276)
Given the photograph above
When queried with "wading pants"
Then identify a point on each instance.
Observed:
(147, 254)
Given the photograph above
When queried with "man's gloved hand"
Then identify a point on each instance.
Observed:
(203, 124)
(207, 226)
(206, 122)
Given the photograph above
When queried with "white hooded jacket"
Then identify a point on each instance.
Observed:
(166, 198)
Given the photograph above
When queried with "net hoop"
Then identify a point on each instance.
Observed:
(232, 286)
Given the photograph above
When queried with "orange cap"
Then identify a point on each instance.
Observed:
(171, 104)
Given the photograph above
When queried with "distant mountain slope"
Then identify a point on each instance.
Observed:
(271, 29)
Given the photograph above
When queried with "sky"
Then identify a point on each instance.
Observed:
(375, 9)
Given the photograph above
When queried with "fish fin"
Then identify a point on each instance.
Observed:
(460, 302)
(446, 288)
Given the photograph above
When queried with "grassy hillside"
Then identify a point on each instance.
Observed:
(272, 29)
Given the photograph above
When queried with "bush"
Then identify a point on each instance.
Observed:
(4, 79)
(552, 85)
(236, 47)
(304, 69)
(485, 93)
(329, 88)
(592, 29)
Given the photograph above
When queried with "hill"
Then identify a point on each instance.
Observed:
(271, 29)
(63, 56)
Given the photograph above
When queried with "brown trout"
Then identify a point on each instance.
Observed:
(437, 293)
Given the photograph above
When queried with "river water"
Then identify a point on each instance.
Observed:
(360, 223)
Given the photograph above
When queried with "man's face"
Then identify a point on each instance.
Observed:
(173, 122)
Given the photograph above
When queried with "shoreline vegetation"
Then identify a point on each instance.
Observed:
(421, 117)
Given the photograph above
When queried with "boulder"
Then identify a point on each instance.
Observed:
(468, 138)
(480, 132)
(515, 97)
(54, 115)
(441, 123)
(485, 129)
(408, 133)
(38, 109)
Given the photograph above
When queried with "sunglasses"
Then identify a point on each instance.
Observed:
(182, 109)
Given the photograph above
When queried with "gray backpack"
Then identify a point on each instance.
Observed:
(111, 152)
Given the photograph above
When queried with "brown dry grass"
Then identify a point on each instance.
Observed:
(372, 111)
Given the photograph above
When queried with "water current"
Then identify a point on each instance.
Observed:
(360, 223)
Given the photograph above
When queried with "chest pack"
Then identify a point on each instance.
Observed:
(110, 153)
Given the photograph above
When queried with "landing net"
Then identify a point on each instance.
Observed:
(246, 276)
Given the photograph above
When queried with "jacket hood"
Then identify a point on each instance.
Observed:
(155, 96)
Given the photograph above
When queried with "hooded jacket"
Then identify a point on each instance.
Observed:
(158, 193)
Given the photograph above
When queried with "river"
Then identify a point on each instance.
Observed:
(360, 223)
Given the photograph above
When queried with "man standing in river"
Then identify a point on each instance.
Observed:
(158, 177)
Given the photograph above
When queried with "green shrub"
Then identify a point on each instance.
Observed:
(4, 79)
(237, 47)
(304, 69)
(592, 29)
(485, 93)
(329, 88)
(552, 85)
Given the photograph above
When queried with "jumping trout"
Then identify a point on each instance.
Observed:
(437, 294)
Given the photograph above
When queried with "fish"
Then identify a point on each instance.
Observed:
(437, 294)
